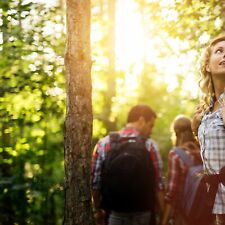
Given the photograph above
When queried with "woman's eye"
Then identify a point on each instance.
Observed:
(218, 51)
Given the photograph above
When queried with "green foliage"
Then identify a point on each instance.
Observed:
(177, 29)
(190, 25)
(31, 113)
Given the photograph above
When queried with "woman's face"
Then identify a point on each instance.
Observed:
(216, 65)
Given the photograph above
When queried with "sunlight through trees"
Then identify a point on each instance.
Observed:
(142, 51)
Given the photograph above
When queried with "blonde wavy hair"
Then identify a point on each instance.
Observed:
(205, 82)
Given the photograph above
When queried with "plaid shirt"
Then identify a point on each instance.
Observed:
(176, 174)
(103, 146)
(211, 134)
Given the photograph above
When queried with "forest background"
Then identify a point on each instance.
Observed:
(143, 51)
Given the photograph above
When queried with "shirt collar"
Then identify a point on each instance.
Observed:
(213, 100)
(130, 132)
(221, 99)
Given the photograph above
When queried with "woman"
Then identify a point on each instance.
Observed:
(185, 140)
(209, 118)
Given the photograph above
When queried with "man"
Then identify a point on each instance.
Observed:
(140, 122)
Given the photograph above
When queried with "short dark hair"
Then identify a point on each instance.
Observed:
(140, 111)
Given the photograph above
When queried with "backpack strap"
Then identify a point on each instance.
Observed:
(114, 139)
(184, 157)
(222, 175)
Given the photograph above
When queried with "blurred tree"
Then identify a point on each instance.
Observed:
(78, 124)
(7, 214)
(104, 73)
(110, 122)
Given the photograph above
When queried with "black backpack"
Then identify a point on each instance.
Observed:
(128, 178)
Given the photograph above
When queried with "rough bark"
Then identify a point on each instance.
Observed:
(78, 124)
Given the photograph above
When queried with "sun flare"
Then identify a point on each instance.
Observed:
(134, 47)
(130, 37)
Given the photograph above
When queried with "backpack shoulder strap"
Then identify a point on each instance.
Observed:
(114, 139)
(184, 156)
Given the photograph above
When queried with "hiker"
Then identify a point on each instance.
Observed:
(140, 122)
(209, 120)
(182, 138)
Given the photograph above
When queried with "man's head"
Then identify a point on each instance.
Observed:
(142, 117)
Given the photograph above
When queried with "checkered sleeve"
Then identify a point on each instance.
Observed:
(157, 163)
(98, 157)
(174, 177)
(96, 163)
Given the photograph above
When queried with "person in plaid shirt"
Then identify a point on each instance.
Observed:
(184, 139)
(209, 118)
(140, 122)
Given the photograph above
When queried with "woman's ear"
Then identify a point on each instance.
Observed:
(207, 68)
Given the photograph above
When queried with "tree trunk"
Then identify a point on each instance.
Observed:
(78, 124)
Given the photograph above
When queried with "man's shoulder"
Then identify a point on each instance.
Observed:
(106, 139)
(103, 141)
(151, 144)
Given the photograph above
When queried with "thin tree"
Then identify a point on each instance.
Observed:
(78, 124)
(111, 78)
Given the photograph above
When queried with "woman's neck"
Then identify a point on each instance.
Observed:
(219, 86)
